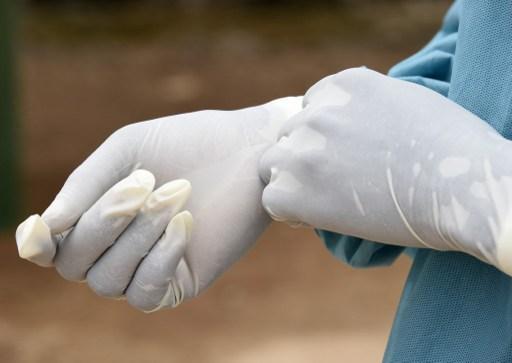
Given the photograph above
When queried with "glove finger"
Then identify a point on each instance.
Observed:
(110, 163)
(35, 242)
(301, 138)
(154, 285)
(329, 91)
(274, 158)
(111, 274)
(99, 227)
(279, 197)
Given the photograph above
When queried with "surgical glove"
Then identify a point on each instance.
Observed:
(119, 239)
(394, 162)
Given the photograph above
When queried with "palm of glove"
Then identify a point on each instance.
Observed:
(123, 243)
(220, 162)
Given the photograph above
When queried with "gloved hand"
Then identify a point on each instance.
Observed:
(104, 232)
(394, 162)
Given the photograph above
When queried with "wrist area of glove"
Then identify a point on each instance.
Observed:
(280, 111)
(466, 202)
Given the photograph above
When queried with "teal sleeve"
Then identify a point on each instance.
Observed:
(430, 67)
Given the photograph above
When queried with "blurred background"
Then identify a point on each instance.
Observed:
(71, 72)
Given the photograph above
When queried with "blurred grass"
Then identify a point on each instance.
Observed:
(275, 26)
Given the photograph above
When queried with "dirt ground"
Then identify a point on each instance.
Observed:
(287, 301)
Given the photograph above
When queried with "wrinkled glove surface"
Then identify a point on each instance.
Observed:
(112, 229)
(394, 162)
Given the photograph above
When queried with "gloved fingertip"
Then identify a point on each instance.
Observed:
(35, 242)
(172, 298)
(273, 215)
(180, 226)
(264, 167)
(270, 201)
(58, 217)
(144, 178)
(128, 196)
(173, 194)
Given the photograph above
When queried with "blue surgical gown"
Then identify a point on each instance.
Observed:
(454, 308)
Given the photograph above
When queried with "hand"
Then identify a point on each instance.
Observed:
(391, 161)
(104, 232)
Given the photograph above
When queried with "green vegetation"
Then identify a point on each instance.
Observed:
(9, 151)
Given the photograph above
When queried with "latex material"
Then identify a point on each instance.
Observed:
(117, 252)
(35, 242)
(393, 162)
(453, 302)
(111, 275)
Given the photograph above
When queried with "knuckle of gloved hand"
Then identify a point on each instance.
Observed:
(326, 118)
(128, 129)
(127, 135)
(356, 74)
(357, 81)
(121, 134)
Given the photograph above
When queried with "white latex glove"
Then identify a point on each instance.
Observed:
(113, 228)
(391, 161)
